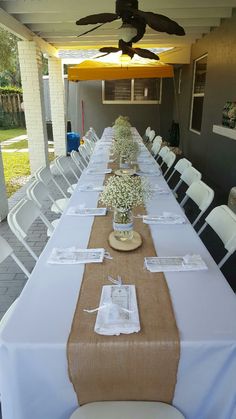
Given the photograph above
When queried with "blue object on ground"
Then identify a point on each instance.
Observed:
(73, 141)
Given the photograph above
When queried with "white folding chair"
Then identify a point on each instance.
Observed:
(82, 150)
(188, 176)
(44, 175)
(179, 167)
(77, 160)
(20, 219)
(126, 410)
(147, 131)
(201, 194)
(156, 145)
(38, 193)
(151, 136)
(162, 153)
(223, 221)
(65, 168)
(169, 160)
(94, 134)
(6, 250)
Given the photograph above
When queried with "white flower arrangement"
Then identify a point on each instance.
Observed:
(122, 131)
(125, 147)
(122, 120)
(125, 192)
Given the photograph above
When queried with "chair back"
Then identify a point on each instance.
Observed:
(190, 175)
(44, 175)
(65, 168)
(169, 159)
(38, 193)
(151, 135)
(156, 145)
(77, 160)
(5, 249)
(163, 151)
(182, 164)
(201, 194)
(223, 221)
(24, 216)
(148, 129)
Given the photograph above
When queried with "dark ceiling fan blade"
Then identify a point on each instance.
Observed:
(145, 53)
(126, 48)
(108, 50)
(99, 18)
(160, 23)
(140, 24)
(91, 30)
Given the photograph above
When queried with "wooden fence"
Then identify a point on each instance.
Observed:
(11, 112)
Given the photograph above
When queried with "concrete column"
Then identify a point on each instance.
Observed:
(57, 99)
(31, 76)
(3, 193)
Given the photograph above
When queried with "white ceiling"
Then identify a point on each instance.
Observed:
(54, 20)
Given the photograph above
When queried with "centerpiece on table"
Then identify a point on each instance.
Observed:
(123, 194)
(124, 146)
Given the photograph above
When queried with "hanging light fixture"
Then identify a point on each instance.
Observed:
(128, 32)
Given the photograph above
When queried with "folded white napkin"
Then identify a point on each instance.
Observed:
(118, 311)
(72, 255)
(164, 218)
(91, 188)
(95, 171)
(86, 212)
(175, 263)
(160, 191)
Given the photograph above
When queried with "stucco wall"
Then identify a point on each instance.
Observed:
(212, 154)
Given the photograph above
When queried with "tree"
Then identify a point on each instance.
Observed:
(9, 63)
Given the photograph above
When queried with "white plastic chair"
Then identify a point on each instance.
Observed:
(188, 176)
(163, 153)
(20, 219)
(126, 410)
(147, 131)
(201, 194)
(82, 150)
(179, 167)
(64, 167)
(156, 145)
(151, 136)
(169, 160)
(38, 193)
(6, 250)
(223, 221)
(77, 160)
(44, 175)
(93, 134)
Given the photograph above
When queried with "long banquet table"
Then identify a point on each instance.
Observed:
(34, 379)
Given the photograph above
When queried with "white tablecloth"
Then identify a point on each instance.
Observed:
(34, 383)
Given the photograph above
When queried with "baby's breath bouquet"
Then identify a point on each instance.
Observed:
(122, 132)
(127, 148)
(122, 120)
(125, 192)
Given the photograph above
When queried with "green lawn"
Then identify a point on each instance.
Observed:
(18, 146)
(6, 134)
(17, 170)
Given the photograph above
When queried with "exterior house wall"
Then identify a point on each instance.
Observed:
(211, 153)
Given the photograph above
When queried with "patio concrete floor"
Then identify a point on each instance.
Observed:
(12, 279)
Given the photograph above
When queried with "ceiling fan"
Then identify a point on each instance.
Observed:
(134, 23)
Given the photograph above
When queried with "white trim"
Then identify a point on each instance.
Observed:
(193, 95)
(224, 131)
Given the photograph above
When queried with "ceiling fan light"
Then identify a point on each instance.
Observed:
(128, 32)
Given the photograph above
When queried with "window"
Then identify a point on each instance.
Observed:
(198, 92)
(134, 91)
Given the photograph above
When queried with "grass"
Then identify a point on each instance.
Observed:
(17, 170)
(7, 134)
(18, 146)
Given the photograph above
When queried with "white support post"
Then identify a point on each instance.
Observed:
(31, 76)
(57, 99)
(3, 193)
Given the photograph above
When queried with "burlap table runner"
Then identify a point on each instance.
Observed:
(139, 366)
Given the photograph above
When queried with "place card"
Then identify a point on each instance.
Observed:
(118, 311)
(165, 218)
(72, 255)
(175, 263)
(86, 212)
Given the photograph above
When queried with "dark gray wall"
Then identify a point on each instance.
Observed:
(97, 115)
(212, 154)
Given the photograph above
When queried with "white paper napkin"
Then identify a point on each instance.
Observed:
(118, 311)
(164, 218)
(175, 263)
(86, 212)
(160, 191)
(72, 255)
(91, 188)
(98, 172)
